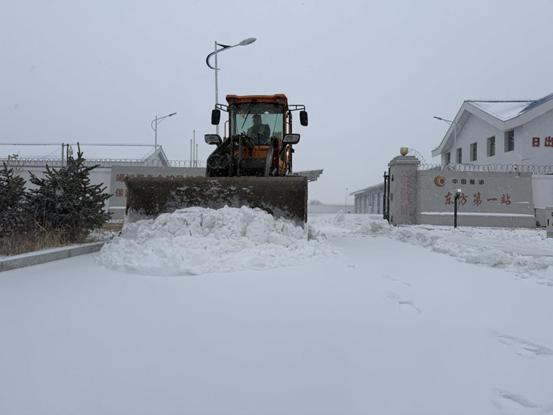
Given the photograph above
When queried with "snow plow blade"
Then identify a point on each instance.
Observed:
(283, 197)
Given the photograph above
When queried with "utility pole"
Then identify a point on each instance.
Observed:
(195, 146)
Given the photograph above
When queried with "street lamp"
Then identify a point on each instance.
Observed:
(456, 197)
(450, 122)
(219, 47)
(155, 123)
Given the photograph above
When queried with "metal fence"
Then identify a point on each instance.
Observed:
(41, 162)
(503, 168)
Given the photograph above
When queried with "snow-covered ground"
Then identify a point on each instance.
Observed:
(366, 324)
(526, 252)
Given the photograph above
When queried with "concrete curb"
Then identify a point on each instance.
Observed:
(35, 258)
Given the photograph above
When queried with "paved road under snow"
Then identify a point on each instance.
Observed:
(381, 327)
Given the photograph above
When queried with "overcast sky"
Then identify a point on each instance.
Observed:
(372, 74)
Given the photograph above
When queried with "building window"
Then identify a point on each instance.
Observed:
(491, 146)
(459, 158)
(509, 140)
(447, 159)
(473, 151)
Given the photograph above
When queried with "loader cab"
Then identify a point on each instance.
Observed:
(258, 138)
(271, 111)
(260, 122)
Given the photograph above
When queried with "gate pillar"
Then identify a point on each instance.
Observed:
(403, 190)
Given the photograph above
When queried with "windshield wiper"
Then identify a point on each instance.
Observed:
(246, 118)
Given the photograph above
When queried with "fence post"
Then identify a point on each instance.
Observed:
(385, 197)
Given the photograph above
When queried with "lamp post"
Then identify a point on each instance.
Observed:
(155, 123)
(456, 206)
(346, 201)
(219, 47)
(450, 122)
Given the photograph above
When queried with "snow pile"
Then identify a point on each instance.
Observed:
(525, 251)
(331, 225)
(99, 235)
(198, 240)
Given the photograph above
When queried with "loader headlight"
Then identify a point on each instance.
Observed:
(291, 139)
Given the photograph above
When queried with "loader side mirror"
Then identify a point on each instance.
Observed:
(215, 116)
(291, 139)
(213, 139)
(303, 118)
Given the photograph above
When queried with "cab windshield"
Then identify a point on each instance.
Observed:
(260, 122)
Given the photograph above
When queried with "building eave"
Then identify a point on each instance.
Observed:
(450, 133)
(369, 189)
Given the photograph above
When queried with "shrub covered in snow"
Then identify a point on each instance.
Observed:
(13, 206)
(62, 208)
(66, 202)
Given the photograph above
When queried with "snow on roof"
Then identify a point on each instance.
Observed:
(90, 152)
(508, 109)
(504, 110)
(376, 187)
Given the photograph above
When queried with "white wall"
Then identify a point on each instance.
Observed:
(477, 130)
(97, 176)
(539, 127)
(542, 190)
(369, 202)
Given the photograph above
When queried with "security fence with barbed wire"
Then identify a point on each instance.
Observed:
(502, 168)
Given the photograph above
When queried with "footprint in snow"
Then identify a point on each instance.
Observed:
(397, 280)
(523, 347)
(509, 401)
(403, 303)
